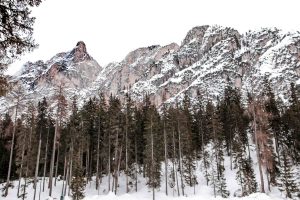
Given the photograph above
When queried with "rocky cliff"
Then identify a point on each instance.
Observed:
(209, 58)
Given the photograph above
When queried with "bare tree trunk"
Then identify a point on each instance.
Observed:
(70, 168)
(53, 158)
(37, 165)
(118, 168)
(174, 158)
(98, 155)
(166, 158)
(56, 166)
(277, 147)
(21, 167)
(40, 190)
(136, 163)
(126, 153)
(26, 172)
(45, 158)
(180, 159)
(230, 149)
(87, 162)
(108, 168)
(64, 179)
(80, 152)
(268, 180)
(68, 175)
(11, 150)
(152, 159)
(116, 161)
(258, 152)
(90, 166)
(213, 178)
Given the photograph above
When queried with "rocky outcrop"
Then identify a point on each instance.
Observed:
(75, 70)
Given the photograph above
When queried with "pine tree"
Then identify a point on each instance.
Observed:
(130, 140)
(172, 126)
(40, 129)
(6, 132)
(153, 153)
(275, 125)
(17, 96)
(217, 158)
(287, 179)
(78, 183)
(101, 116)
(291, 120)
(20, 148)
(16, 34)
(188, 150)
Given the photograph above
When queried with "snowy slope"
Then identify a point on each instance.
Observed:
(202, 191)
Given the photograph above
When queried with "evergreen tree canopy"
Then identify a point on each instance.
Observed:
(16, 29)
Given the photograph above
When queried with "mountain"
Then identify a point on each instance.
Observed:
(209, 58)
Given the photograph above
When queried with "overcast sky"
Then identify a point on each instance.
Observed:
(113, 28)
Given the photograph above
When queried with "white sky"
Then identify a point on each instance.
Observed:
(113, 28)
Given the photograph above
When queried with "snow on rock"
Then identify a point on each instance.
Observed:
(209, 58)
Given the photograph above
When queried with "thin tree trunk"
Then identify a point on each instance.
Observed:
(21, 167)
(174, 165)
(80, 152)
(108, 168)
(40, 190)
(126, 153)
(26, 172)
(64, 179)
(100, 174)
(180, 160)
(98, 155)
(118, 169)
(87, 162)
(166, 158)
(277, 147)
(37, 164)
(53, 158)
(116, 161)
(56, 166)
(11, 150)
(152, 159)
(213, 178)
(258, 154)
(230, 149)
(70, 173)
(45, 158)
(268, 180)
(136, 163)
(90, 165)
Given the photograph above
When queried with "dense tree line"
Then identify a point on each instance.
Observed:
(107, 137)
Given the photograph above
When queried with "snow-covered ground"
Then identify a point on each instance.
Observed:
(202, 191)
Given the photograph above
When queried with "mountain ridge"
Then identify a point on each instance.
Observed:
(208, 59)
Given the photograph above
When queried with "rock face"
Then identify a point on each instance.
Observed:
(75, 71)
(209, 58)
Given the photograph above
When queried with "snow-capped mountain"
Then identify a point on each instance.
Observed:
(209, 58)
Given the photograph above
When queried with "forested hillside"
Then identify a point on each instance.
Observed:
(108, 140)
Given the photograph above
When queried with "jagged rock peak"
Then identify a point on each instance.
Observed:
(79, 53)
(194, 33)
(201, 33)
